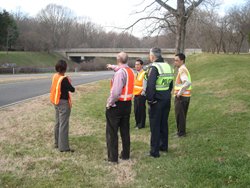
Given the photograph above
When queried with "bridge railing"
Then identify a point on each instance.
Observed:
(188, 50)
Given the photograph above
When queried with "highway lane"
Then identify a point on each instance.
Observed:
(13, 92)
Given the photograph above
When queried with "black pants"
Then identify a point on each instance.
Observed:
(118, 117)
(158, 117)
(181, 108)
(140, 110)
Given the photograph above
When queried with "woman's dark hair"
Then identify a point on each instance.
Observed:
(61, 66)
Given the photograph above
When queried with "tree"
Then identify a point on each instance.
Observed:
(8, 32)
(174, 19)
(214, 30)
(161, 17)
(11, 34)
(239, 17)
(55, 23)
(182, 13)
(249, 38)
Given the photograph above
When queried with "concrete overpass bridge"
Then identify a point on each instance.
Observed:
(81, 54)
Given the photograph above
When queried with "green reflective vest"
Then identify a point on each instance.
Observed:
(166, 75)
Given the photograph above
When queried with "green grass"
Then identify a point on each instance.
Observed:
(215, 153)
(34, 59)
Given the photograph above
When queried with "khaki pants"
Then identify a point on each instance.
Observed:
(61, 129)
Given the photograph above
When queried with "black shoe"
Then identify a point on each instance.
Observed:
(148, 154)
(178, 136)
(163, 150)
(108, 161)
(69, 150)
(120, 157)
(135, 126)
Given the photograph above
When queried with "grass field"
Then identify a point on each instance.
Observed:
(27, 59)
(215, 153)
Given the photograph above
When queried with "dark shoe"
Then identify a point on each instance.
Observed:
(135, 126)
(178, 136)
(120, 157)
(70, 150)
(108, 161)
(163, 150)
(148, 154)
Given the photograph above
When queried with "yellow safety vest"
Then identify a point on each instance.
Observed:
(166, 75)
(178, 83)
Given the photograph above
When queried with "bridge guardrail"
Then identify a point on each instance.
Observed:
(188, 50)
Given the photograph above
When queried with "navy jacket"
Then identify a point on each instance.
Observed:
(151, 93)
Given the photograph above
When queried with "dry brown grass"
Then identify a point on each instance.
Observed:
(223, 94)
(141, 138)
(235, 108)
(208, 84)
(30, 124)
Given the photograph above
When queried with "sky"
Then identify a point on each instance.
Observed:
(106, 13)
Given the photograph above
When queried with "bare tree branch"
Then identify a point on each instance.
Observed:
(191, 8)
(143, 9)
(145, 18)
(169, 8)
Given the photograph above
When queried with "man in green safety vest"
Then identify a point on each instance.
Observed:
(182, 93)
(158, 94)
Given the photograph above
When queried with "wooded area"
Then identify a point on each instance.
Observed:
(57, 27)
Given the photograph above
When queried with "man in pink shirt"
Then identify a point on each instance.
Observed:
(118, 109)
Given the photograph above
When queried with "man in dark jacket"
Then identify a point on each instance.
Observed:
(158, 94)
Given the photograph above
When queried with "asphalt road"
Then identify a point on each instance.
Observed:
(14, 92)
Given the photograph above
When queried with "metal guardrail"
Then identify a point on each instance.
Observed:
(81, 53)
(188, 50)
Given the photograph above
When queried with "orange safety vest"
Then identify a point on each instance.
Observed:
(55, 92)
(139, 83)
(127, 91)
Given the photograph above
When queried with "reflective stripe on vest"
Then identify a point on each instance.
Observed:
(186, 92)
(139, 83)
(166, 75)
(127, 90)
(178, 84)
(55, 92)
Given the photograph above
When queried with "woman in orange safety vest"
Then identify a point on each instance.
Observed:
(60, 97)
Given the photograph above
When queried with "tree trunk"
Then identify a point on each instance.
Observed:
(240, 44)
(213, 49)
(181, 22)
(181, 35)
(229, 45)
(224, 47)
